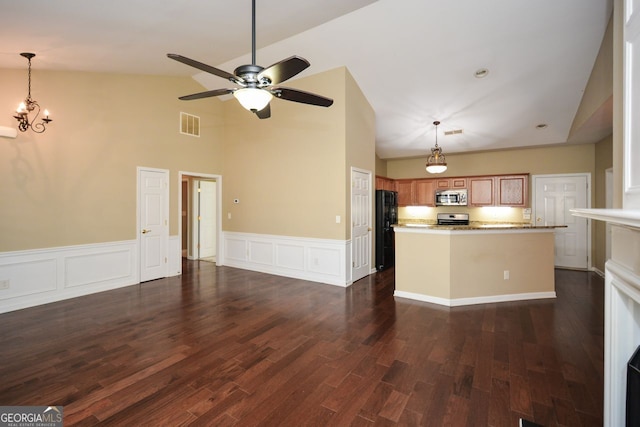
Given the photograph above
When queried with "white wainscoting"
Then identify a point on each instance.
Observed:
(317, 260)
(41, 276)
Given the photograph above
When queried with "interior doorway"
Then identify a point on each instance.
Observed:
(361, 228)
(554, 196)
(200, 224)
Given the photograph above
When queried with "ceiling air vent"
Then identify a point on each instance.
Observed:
(189, 124)
(453, 132)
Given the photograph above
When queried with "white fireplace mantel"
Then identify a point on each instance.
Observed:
(621, 306)
(626, 217)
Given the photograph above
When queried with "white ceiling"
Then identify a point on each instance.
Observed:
(413, 59)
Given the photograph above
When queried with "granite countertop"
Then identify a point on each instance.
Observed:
(476, 226)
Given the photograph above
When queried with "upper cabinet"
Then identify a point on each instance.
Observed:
(424, 192)
(404, 187)
(490, 190)
(482, 190)
(501, 190)
(383, 183)
(512, 190)
(451, 183)
(416, 192)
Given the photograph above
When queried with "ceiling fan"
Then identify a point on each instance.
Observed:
(257, 83)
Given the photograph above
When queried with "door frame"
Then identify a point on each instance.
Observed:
(370, 215)
(165, 213)
(587, 175)
(205, 176)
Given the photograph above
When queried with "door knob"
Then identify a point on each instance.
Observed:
(145, 231)
(538, 219)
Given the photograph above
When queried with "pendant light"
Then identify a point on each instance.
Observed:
(436, 163)
(28, 106)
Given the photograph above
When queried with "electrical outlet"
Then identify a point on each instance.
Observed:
(506, 275)
(4, 284)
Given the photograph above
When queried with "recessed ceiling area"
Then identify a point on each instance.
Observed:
(416, 61)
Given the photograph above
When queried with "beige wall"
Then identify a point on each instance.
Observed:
(360, 143)
(381, 166)
(287, 171)
(599, 90)
(604, 161)
(539, 160)
(76, 183)
(458, 265)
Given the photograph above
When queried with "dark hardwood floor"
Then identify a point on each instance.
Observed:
(222, 346)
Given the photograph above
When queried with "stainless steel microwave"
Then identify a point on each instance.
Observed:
(451, 197)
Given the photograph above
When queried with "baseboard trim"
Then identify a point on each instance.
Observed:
(475, 300)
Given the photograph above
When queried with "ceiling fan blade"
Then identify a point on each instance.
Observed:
(303, 97)
(207, 94)
(205, 67)
(265, 113)
(284, 70)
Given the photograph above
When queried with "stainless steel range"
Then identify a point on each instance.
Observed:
(453, 219)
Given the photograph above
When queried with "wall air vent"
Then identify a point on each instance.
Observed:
(189, 124)
(453, 132)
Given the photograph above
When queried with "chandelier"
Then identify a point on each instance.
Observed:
(28, 106)
(436, 163)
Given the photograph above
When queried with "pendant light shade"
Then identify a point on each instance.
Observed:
(436, 163)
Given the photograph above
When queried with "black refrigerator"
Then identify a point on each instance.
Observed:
(386, 216)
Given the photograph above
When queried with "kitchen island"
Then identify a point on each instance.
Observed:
(474, 264)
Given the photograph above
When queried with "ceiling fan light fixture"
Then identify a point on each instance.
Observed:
(436, 163)
(253, 99)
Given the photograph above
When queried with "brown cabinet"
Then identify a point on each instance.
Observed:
(500, 190)
(404, 187)
(424, 192)
(489, 190)
(512, 190)
(416, 192)
(383, 183)
(481, 191)
(451, 183)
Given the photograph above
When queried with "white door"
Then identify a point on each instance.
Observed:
(360, 224)
(555, 195)
(154, 228)
(207, 219)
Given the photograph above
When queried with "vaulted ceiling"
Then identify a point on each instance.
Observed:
(415, 60)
